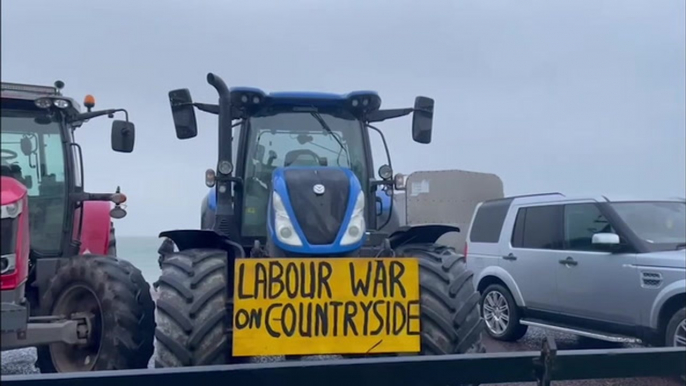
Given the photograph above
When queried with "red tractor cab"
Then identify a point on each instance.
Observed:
(64, 290)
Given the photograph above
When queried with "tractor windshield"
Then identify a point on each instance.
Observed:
(33, 154)
(296, 139)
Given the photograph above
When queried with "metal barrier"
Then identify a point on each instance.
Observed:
(543, 367)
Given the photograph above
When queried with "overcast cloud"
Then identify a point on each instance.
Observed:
(572, 96)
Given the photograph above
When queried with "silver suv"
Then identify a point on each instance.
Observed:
(610, 270)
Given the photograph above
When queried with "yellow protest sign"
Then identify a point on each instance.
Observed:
(310, 306)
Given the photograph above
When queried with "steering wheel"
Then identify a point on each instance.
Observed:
(10, 154)
(292, 156)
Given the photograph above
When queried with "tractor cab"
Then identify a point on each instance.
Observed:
(295, 169)
(289, 138)
(39, 151)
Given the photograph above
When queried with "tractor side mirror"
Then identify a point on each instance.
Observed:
(123, 136)
(26, 145)
(183, 113)
(422, 119)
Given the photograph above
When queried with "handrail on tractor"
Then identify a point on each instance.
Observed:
(542, 367)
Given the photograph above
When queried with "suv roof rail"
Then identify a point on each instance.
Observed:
(510, 198)
(538, 194)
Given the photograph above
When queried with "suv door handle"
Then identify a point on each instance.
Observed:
(569, 261)
(510, 257)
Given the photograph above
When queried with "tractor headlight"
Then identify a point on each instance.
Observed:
(11, 210)
(357, 225)
(61, 103)
(283, 226)
(43, 103)
(7, 263)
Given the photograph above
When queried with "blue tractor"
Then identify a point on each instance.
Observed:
(294, 178)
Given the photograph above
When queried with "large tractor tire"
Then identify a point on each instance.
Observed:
(112, 245)
(193, 324)
(123, 327)
(450, 319)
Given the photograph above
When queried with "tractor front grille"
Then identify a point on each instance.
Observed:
(320, 216)
(8, 235)
(8, 243)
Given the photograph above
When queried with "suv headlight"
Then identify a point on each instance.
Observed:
(357, 225)
(283, 226)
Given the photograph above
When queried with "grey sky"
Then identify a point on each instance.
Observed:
(573, 96)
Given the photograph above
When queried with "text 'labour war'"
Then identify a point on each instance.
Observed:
(311, 280)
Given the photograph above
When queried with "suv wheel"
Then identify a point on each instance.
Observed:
(675, 334)
(501, 314)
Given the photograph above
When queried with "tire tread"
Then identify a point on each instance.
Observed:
(450, 318)
(193, 321)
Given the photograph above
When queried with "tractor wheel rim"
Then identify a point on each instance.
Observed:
(496, 312)
(72, 358)
(680, 334)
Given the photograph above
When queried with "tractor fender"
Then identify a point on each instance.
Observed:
(95, 233)
(203, 239)
(419, 234)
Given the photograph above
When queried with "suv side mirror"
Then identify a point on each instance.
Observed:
(605, 239)
(123, 136)
(183, 113)
(422, 119)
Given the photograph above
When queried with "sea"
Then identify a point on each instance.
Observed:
(141, 251)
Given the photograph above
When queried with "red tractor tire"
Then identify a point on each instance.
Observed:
(124, 327)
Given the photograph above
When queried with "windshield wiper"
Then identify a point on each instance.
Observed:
(326, 127)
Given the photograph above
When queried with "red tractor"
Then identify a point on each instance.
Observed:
(64, 290)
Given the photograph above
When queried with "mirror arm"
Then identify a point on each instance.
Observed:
(382, 115)
(84, 196)
(207, 107)
(99, 113)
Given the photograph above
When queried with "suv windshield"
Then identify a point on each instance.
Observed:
(295, 139)
(660, 224)
(32, 153)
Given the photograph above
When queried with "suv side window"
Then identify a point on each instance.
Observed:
(538, 227)
(582, 221)
(488, 221)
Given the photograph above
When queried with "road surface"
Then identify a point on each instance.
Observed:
(534, 339)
